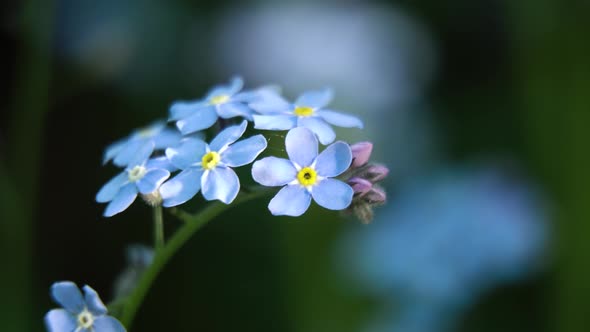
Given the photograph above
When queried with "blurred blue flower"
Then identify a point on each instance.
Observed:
(125, 150)
(445, 239)
(208, 166)
(142, 175)
(306, 175)
(222, 101)
(139, 258)
(307, 111)
(79, 313)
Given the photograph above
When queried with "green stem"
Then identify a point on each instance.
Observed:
(158, 228)
(191, 225)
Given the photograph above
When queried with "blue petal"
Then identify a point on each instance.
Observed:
(228, 136)
(340, 119)
(220, 183)
(133, 150)
(149, 131)
(122, 200)
(302, 146)
(291, 200)
(203, 118)
(182, 109)
(142, 154)
(275, 122)
(111, 188)
(244, 151)
(332, 194)
(190, 151)
(152, 180)
(323, 131)
(315, 99)
(269, 101)
(67, 294)
(235, 85)
(167, 138)
(93, 301)
(162, 163)
(107, 324)
(113, 150)
(334, 160)
(273, 171)
(59, 320)
(233, 109)
(182, 187)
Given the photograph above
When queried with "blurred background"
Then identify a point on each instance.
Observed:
(479, 108)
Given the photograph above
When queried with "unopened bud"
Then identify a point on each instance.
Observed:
(376, 173)
(361, 152)
(375, 196)
(360, 185)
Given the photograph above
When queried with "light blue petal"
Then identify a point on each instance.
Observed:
(59, 320)
(334, 160)
(167, 138)
(228, 136)
(269, 101)
(273, 171)
(332, 194)
(235, 85)
(233, 109)
(340, 119)
(111, 188)
(323, 130)
(93, 301)
(291, 200)
(149, 131)
(190, 151)
(107, 324)
(130, 152)
(275, 122)
(67, 294)
(142, 154)
(220, 183)
(244, 151)
(113, 150)
(182, 187)
(152, 180)
(183, 109)
(302, 146)
(161, 163)
(315, 99)
(202, 119)
(122, 200)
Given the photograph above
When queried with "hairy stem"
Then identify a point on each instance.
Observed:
(158, 228)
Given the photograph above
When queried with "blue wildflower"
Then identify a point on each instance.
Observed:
(306, 175)
(307, 111)
(208, 166)
(124, 150)
(142, 175)
(223, 101)
(79, 313)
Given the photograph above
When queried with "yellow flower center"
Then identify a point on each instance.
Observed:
(219, 99)
(210, 160)
(307, 176)
(136, 173)
(85, 319)
(303, 111)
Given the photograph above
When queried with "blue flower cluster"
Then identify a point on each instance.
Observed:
(150, 155)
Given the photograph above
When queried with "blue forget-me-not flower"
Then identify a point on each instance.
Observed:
(80, 313)
(225, 101)
(124, 151)
(207, 167)
(306, 175)
(141, 176)
(307, 111)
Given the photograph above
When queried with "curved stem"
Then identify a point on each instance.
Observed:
(191, 225)
(158, 228)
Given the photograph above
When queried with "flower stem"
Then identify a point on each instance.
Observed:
(163, 255)
(158, 228)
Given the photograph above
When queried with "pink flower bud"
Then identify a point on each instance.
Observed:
(359, 185)
(376, 173)
(376, 196)
(361, 152)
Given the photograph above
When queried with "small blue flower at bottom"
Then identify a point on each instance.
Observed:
(141, 176)
(80, 313)
(306, 175)
(208, 167)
